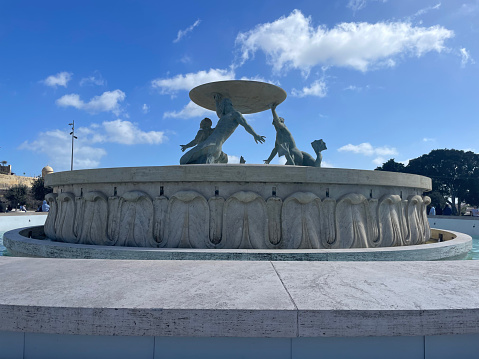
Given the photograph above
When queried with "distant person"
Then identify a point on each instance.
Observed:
(447, 210)
(9, 208)
(45, 206)
(39, 209)
(23, 208)
(432, 211)
(475, 212)
(439, 211)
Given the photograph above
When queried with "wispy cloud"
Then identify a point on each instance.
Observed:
(427, 139)
(60, 79)
(367, 149)
(128, 133)
(184, 32)
(293, 42)
(56, 144)
(465, 57)
(357, 5)
(94, 80)
(357, 88)
(145, 108)
(191, 110)
(190, 80)
(424, 11)
(318, 88)
(109, 101)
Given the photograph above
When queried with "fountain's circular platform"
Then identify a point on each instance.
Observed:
(453, 245)
(238, 207)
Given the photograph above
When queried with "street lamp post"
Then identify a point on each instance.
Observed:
(73, 138)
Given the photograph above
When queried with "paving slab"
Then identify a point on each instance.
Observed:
(162, 297)
(383, 298)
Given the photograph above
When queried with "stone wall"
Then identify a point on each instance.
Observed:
(7, 181)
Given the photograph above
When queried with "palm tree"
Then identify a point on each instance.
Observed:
(4, 163)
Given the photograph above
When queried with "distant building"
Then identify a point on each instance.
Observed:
(46, 170)
(5, 170)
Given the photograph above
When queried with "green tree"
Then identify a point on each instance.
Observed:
(437, 200)
(391, 166)
(17, 194)
(39, 191)
(454, 173)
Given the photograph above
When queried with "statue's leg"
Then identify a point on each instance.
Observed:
(308, 160)
(297, 156)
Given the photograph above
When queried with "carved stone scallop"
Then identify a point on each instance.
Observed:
(328, 222)
(273, 208)
(136, 220)
(426, 228)
(160, 205)
(414, 219)
(188, 220)
(216, 205)
(351, 221)
(301, 221)
(94, 224)
(65, 221)
(113, 226)
(245, 221)
(49, 227)
(374, 239)
(390, 228)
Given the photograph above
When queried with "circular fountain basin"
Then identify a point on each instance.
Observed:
(453, 245)
(238, 207)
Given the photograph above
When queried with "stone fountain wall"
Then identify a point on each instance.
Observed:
(232, 211)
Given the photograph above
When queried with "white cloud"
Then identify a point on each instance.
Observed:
(357, 5)
(107, 101)
(60, 79)
(281, 160)
(56, 144)
(293, 43)
(185, 60)
(95, 80)
(145, 108)
(466, 57)
(368, 150)
(427, 139)
(379, 161)
(326, 164)
(233, 159)
(423, 11)
(190, 80)
(189, 111)
(182, 33)
(317, 88)
(127, 133)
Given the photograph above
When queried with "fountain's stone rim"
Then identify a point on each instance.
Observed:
(239, 173)
(247, 96)
(18, 244)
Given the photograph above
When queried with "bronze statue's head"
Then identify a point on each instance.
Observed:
(206, 123)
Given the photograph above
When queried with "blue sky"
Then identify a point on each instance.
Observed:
(376, 79)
